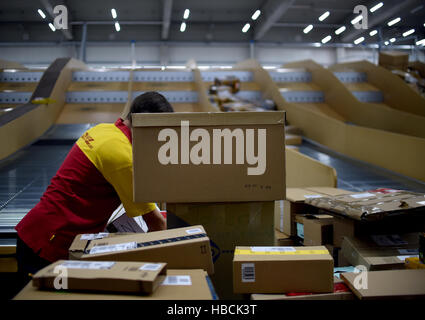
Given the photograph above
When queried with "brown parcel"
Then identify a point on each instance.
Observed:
(198, 290)
(182, 248)
(380, 252)
(318, 230)
(129, 277)
(271, 270)
(285, 210)
(388, 284)
(188, 182)
(343, 295)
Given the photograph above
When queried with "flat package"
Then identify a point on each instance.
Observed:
(209, 157)
(181, 248)
(388, 284)
(282, 270)
(111, 276)
(295, 203)
(380, 252)
(175, 285)
(372, 205)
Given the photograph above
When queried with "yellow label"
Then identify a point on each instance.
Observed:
(296, 252)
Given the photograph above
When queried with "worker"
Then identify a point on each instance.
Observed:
(94, 179)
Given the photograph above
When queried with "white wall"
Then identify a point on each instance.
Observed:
(109, 54)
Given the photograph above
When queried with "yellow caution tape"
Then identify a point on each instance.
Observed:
(296, 252)
(42, 101)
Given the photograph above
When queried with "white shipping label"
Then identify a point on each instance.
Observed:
(402, 258)
(248, 272)
(92, 236)
(115, 247)
(150, 267)
(192, 231)
(312, 196)
(388, 240)
(272, 249)
(408, 251)
(421, 203)
(87, 265)
(362, 195)
(177, 281)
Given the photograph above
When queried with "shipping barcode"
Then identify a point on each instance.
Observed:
(248, 272)
(177, 281)
(150, 267)
(172, 279)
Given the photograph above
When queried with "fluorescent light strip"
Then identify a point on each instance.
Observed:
(246, 27)
(340, 30)
(41, 13)
(183, 27)
(326, 39)
(373, 32)
(392, 40)
(256, 15)
(376, 7)
(408, 33)
(308, 29)
(114, 13)
(186, 14)
(393, 22)
(324, 16)
(52, 27)
(420, 42)
(117, 26)
(357, 19)
(359, 40)
(386, 43)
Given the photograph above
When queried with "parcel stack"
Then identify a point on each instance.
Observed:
(222, 170)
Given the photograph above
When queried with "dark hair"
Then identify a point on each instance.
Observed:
(150, 102)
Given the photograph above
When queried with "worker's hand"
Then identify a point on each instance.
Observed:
(155, 220)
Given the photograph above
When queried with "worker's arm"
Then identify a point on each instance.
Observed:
(155, 221)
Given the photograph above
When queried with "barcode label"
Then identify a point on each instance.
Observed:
(362, 195)
(312, 196)
(87, 265)
(115, 247)
(151, 267)
(388, 240)
(272, 249)
(248, 272)
(92, 236)
(177, 281)
(192, 231)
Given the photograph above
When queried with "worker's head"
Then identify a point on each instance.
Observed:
(149, 102)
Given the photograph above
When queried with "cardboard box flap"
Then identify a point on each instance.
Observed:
(329, 191)
(371, 206)
(145, 240)
(301, 194)
(389, 284)
(208, 118)
(258, 253)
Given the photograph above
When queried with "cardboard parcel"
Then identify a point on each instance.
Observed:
(370, 206)
(209, 157)
(128, 277)
(181, 248)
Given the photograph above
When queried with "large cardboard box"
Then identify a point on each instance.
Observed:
(182, 248)
(394, 60)
(111, 276)
(341, 292)
(380, 252)
(388, 284)
(228, 225)
(318, 230)
(295, 204)
(209, 157)
(282, 270)
(180, 285)
(283, 240)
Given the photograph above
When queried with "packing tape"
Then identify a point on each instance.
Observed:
(296, 252)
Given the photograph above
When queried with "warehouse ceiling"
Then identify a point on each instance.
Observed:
(280, 21)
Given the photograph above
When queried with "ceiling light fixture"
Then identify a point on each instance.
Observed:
(52, 27)
(376, 7)
(408, 33)
(308, 28)
(186, 14)
(393, 22)
(117, 26)
(392, 40)
(256, 15)
(359, 40)
(41, 13)
(246, 28)
(356, 19)
(326, 39)
(183, 27)
(420, 42)
(114, 13)
(340, 30)
(324, 16)
(373, 32)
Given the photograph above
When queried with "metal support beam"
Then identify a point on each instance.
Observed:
(49, 8)
(166, 18)
(383, 16)
(273, 10)
(251, 50)
(82, 55)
